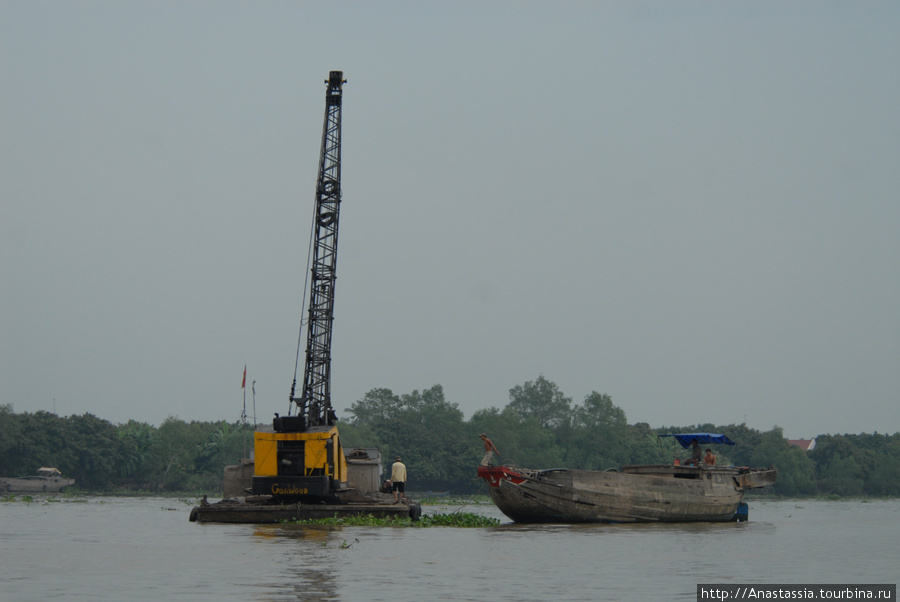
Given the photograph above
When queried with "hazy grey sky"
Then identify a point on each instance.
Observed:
(693, 207)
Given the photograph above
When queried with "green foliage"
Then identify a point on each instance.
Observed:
(423, 428)
(225, 444)
(11, 439)
(92, 448)
(641, 446)
(598, 432)
(843, 476)
(884, 480)
(771, 444)
(522, 441)
(101, 456)
(136, 438)
(538, 428)
(457, 519)
(83, 447)
(542, 400)
(357, 435)
(357, 520)
(796, 471)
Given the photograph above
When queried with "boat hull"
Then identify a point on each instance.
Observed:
(232, 511)
(639, 494)
(35, 484)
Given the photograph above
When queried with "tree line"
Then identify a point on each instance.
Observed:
(101, 456)
(539, 427)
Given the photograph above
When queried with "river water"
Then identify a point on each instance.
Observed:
(107, 548)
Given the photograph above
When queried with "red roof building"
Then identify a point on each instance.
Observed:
(804, 444)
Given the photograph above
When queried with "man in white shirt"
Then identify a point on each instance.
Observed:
(398, 479)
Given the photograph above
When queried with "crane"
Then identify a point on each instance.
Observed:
(315, 399)
(300, 456)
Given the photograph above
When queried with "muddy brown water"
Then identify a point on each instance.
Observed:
(146, 549)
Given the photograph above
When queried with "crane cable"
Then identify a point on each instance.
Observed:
(309, 252)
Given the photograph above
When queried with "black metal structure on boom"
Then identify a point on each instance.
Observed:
(315, 398)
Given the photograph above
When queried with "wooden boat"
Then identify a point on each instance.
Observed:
(47, 480)
(639, 493)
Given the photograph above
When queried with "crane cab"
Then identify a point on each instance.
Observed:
(302, 464)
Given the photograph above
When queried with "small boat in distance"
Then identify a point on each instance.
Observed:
(638, 493)
(47, 480)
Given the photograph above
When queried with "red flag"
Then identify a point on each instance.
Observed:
(244, 380)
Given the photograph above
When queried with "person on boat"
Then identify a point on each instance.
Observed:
(696, 455)
(709, 459)
(489, 450)
(398, 479)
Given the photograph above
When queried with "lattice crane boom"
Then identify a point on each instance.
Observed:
(314, 400)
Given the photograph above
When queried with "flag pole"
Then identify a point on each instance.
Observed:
(244, 411)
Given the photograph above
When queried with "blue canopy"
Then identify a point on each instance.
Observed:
(686, 439)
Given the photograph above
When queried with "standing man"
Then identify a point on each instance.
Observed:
(489, 450)
(709, 459)
(696, 454)
(398, 479)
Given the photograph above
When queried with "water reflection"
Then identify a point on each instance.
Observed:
(320, 533)
(302, 563)
(597, 529)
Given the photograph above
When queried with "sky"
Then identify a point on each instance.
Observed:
(693, 207)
